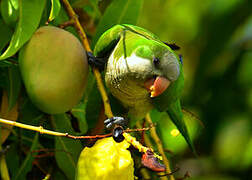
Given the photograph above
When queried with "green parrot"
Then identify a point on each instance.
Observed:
(142, 72)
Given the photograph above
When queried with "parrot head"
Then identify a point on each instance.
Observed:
(153, 66)
(166, 70)
(140, 69)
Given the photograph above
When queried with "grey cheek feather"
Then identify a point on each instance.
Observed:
(170, 66)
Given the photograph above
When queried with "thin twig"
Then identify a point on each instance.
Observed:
(187, 175)
(41, 130)
(159, 146)
(146, 138)
(48, 175)
(107, 107)
(13, 62)
(138, 129)
(73, 16)
(66, 24)
(147, 142)
(169, 174)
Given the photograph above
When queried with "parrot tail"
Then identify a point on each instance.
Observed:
(176, 115)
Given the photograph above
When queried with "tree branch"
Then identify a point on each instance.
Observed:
(73, 16)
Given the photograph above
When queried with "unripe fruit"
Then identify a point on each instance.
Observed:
(106, 160)
(54, 69)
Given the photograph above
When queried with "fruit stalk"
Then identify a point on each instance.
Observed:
(41, 130)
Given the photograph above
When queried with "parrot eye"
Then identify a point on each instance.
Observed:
(156, 61)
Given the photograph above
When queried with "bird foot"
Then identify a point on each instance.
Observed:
(95, 61)
(109, 123)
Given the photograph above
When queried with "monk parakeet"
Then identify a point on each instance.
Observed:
(142, 72)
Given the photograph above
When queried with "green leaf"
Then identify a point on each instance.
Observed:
(55, 9)
(94, 4)
(79, 112)
(27, 164)
(30, 13)
(118, 12)
(93, 100)
(3, 77)
(14, 85)
(6, 34)
(62, 17)
(67, 150)
(3, 166)
(93, 108)
(29, 114)
(9, 13)
(58, 175)
(5, 63)
(14, 3)
(12, 158)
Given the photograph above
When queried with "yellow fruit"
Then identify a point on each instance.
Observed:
(54, 69)
(106, 160)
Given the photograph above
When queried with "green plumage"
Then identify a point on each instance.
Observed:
(130, 51)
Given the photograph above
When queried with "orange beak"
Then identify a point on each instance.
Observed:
(157, 86)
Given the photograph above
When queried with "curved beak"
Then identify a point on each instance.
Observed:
(157, 85)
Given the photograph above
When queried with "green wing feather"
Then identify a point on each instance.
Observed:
(108, 41)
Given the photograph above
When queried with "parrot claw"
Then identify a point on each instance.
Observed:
(95, 61)
(115, 121)
(118, 134)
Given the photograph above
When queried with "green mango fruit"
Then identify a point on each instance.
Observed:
(54, 69)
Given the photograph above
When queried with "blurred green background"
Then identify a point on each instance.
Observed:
(215, 37)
